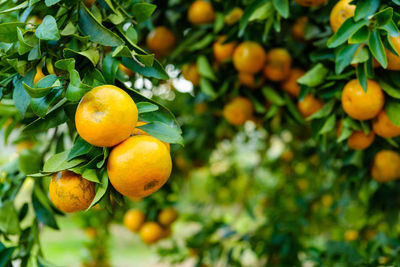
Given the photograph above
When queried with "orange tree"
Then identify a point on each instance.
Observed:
(67, 101)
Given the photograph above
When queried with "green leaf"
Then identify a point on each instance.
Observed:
(392, 108)
(359, 36)
(101, 188)
(110, 68)
(40, 106)
(97, 32)
(365, 8)
(51, 120)
(282, 6)
(272, 96)
(8, 31)
(69, 29)
(51, 2)
(80, 147)
(323, 112)
(76, 89)
(344, 56)
(205, 69)
(390, 90)
(377, 49)
(163, 132)
(59, 162)
(92, 54)
(42, 90)
(383, 17)
(65, 64)
(91, 175)
(207, 88)
(391, 29)
(23, 46)
(248, 12)
(362, 75)
(48, 30)
(43, 215)
(219, 22)
(329, 125)
(29, 161)
(293, 109)
(347, 29)
(6, 256)
(144, 107)
(156, 71)
(20, 96)
(9, 223)
(142, 11)
(314, 76)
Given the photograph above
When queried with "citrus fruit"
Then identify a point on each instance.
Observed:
(223, 51)
(134, 219)
(69, 192)
(350, 235)
(38, 75)
(238, 111)
(167, 216)
(278, 63)
(106, 116)
(161, 41)
(299, 27)
(249, 57)
(362, 105)
(384, 127)
(386, 166)
(234, 16)
(250, 80)
(125, 70)
(201, 12)
(309, 105)
(290, 85)
(151, 232)
(191, 73)
(91, 232)
(138, 131)
(392, 59)
(167, 232)
(359, 140)
(340, 12)
(139, 166)
(311, 2)
(89, 3)
(327, 200)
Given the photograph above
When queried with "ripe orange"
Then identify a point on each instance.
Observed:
(38, 75)
(91, 232)
(327, 200)
(310, 2)
(125, 70)
(309, 105)
(249, 80)
(134, 219)
(238, 111)
(167, 232)
(386, 166)
(69, 192)
(161, 41)
(384, 127)
(249, 57)
(151, 232)
(393, 60)
(340, 12)
(360, 105)
(201, 12)
(290, 85)
(223, 52)
(299, 28)
(139, 166)
(191, 73)
(167, 216)
(234, 16)
(350, 235)
(277, 67)
(138, 131)
(359, 140)
(106, 116)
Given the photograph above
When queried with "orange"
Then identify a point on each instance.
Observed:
(161, 41)
(200, 108)
(238, 111)
(327, 200)
(393, 60)
(360, 105)
(351, 235)
(89, 3)
(91, 232)
(125, 70)
(287, 155)
(167, 216)
(310, 2)
(234, 16)
(249, 80)
(167, 232)
(139, 166)
(375, 63)
(26, 144)
(138, 131)
(134, 219)
(249, 57)
(191, 73)
(223, 52)
(359, 140)
(386, 166)
(309, 105)
(106, 116)
(299, 28)
(201, 12)
(151, 232)
(340, 12)
(290, 85)
(384, 127)
(277, 67)
(69, 192)
(38, 75)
